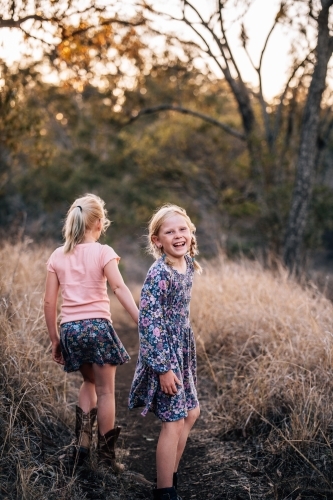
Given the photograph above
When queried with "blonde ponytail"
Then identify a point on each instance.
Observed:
(81, 217)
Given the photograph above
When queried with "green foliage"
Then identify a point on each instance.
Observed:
(57, 143)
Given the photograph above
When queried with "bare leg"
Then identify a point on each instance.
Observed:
(104, 377)
(87, 393)
(189, 421)
(166, 452)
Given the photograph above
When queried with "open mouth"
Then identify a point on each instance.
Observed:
(179, 245)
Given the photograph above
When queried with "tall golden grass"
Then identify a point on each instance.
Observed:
(34, 392)
(37, 398)
(264, 340)
(267, 343)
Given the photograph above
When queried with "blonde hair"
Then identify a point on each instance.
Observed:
(81, 217)
(154, 227)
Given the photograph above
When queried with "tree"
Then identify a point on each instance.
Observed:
(49, 22)
(266, 130)
(308, 142)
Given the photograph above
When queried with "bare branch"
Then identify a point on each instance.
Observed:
(208, 50)
(29, 35)
(11, 23)
(227, 43)
(112, 20)
(276, 21)
(186, 111)
(263, 104)
(244, 39)
(283, 95)
(218, 42)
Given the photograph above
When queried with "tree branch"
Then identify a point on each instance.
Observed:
(278, 118)
(217, 40)
(326, 3)
(276, 20)
(29, 35)
(268, 130)
(186, 111)
(11, 23)
(113, 20)
(227, 43)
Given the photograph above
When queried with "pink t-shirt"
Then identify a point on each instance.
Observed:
(82, 280)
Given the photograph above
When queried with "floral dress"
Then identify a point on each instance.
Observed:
(166, 342)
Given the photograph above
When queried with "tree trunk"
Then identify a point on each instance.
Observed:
(308, 147)
(242, 96)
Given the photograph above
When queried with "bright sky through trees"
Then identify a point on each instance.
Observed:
(258, 21)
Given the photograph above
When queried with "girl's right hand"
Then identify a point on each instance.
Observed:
(56, 353)
(169, 382)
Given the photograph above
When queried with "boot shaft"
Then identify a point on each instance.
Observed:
(84, 426)
(106, 450)
(106, 443)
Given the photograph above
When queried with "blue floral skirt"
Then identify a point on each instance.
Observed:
(90, 341)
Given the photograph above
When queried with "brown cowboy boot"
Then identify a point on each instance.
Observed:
(106, 450)
(83, 430)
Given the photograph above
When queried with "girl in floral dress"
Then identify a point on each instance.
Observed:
(165, 375)
(87, 340)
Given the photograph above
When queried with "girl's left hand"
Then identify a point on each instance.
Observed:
(56, 353)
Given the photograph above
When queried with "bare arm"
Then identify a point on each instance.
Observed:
(50, 312)
(120, 290)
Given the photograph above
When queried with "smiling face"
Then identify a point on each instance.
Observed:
(174, 236)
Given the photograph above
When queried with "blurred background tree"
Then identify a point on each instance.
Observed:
(83, 133)
(267, 138)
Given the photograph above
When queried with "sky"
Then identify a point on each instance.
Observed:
(258, 22)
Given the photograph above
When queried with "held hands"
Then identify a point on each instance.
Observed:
(169, 382)
(56, 353)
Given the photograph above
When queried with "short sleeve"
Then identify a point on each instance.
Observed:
(50, 264)
(108, 254)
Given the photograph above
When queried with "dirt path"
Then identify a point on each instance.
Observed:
(210, 468)
(214, 467)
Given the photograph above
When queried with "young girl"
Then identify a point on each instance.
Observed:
(87, 339)
(165, 375)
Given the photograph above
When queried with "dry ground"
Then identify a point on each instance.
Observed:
(210, 469)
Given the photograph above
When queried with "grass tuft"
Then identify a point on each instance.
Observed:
(267, 344)
(37, 398)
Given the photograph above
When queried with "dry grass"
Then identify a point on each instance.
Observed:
(34, 392)
(265, 341)
(36, 397)
(267, 344)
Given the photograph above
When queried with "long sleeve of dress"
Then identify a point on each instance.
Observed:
(154, 336)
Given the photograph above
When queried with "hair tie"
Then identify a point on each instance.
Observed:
(78, 206)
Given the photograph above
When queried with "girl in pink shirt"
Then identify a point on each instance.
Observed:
(87, 340)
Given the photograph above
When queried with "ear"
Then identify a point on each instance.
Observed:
(156, 241)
